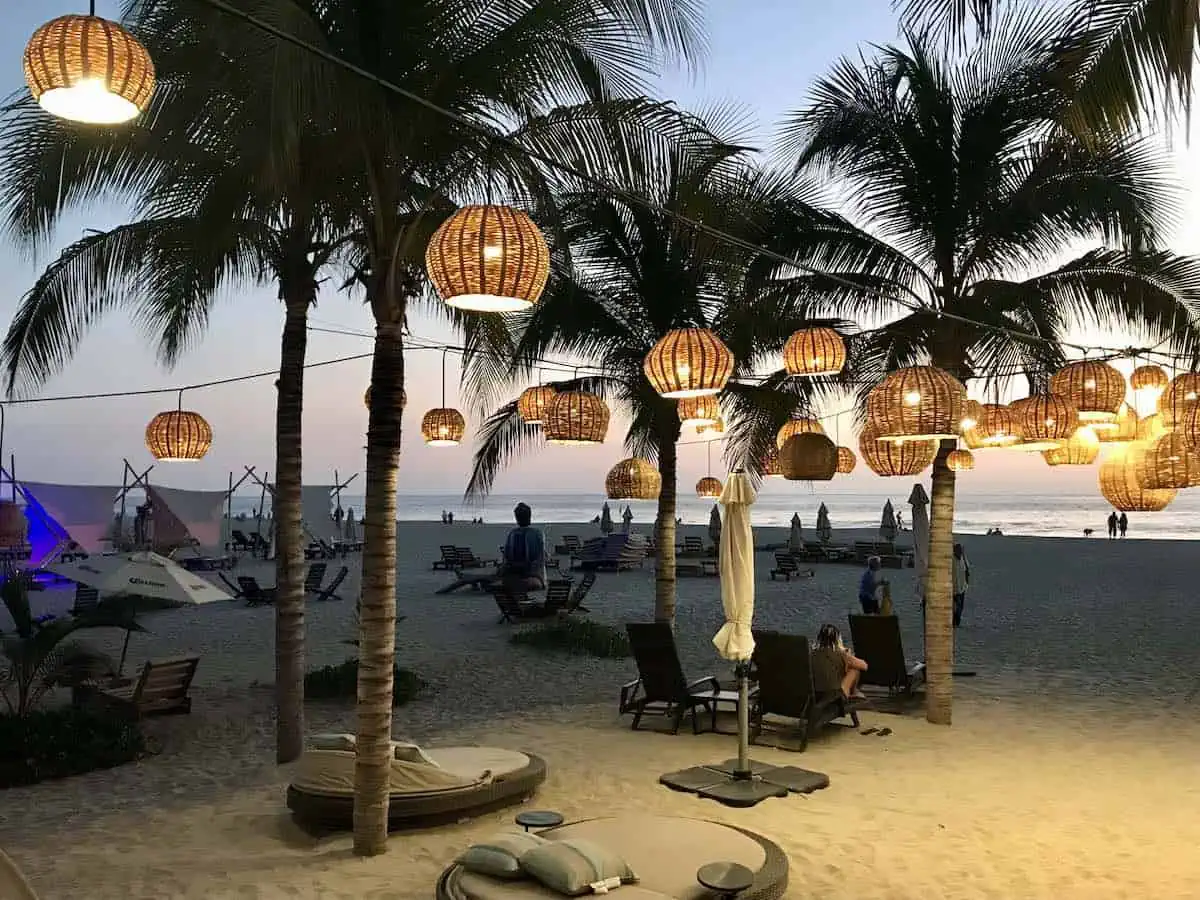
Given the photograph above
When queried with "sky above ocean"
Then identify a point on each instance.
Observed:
(764, 55)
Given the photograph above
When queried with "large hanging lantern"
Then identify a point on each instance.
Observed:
(708, 487)
(488, 258)
(814, 351)
(88, 69)
(994, 427)
(1120, 487)
(798, 425)
(917, 403)
(533, 403)
(178, 435)
(1168, 462)
(1095, 389)
(769, 465)
(13, 525)
(960, 460)
(633, 479)
(1044, 421)
(1128, 427)
(688, 362)
(1151, 428)
(403, 399)
(1181, 397)
(717, 427)
(895, 458)
(699, 410)
(443, 427)
(1149, 378)
(846, 460)
(576, 417)
(808, 457)
(1080, 449)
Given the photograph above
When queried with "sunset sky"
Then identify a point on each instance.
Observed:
(763, 55)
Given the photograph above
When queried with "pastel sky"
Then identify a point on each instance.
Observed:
(764, 55)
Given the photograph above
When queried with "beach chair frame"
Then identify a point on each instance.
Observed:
(783, 671)
(661, 688)
(878, 642)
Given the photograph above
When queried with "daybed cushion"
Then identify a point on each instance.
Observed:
(345, 742)
(472, 762)
(500, 855)
(480, 887)
(331, 773)
(573, 866)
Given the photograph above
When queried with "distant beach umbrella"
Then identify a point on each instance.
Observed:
(627, 519)
(919, 501)
(887, 524)
(824, 529)
(606, 522)
(796, 535)
(714, 524)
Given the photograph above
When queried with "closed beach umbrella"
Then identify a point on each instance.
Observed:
(606, 522)
(887, 525)
(627, 519)
(796, 536)
(144, 574)
(714, 525)
(824, 529)
(351, 525)
(919, 501)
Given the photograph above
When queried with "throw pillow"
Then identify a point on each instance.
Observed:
(343, 742)
(406, 751)
(576, 866)
(500, 855)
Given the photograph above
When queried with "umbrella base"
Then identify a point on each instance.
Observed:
(725, 784)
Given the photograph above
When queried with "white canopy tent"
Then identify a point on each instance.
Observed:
(82, 513)
(187, 517)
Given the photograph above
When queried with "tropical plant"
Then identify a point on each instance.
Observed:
(962, 203)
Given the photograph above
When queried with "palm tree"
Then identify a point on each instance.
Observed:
(962, 202)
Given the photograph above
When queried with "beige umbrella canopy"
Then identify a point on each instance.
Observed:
(796, 535)
(824, 528)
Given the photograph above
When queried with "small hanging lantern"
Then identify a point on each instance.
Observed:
(846, 460)
(708, 487)
(576, 417)
(1080, 449)
(769, 465)
(403, 399)
(533, 403)
(993, 428)
(717, 427)
(1095, 389)
(1120, 487)
(1168, 462)
(808, 457)
(88, 69)
(972, 413)
(1181, 396)
(688, 362)
(443, 427)
(916, 403)
(814, 351)
(488, 258)
(895, 458)
(633, 479)
(13, 525)
(960, 460)
(798, 425)
(1044, 421)
(1128, 427)
(1149, 378)
(178, 435)
(698, 410)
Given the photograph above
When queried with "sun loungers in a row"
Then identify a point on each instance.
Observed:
(248, 588)
(561, 597)
(456, 559)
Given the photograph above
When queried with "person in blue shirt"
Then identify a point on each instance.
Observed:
(869, 585)
(524, 566)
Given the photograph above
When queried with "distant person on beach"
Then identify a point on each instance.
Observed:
(869, 585)
(899, 521)
(962, 579)
(834, 667)
(1123, 524)
(524, 567)
(1112, 524)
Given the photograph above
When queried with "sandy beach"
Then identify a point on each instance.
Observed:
(1069, 772)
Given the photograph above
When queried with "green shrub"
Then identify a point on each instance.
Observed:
(340, 682)
(576, 636)
(56, 743)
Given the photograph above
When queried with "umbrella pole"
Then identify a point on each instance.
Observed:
(743, 771)
(124, 650)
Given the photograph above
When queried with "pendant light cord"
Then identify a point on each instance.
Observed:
(444, 352)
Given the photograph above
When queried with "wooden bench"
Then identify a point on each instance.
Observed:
(162, 688)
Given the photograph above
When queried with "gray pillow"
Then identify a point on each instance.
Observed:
(499, 856)
(344, 742)
(575, 866)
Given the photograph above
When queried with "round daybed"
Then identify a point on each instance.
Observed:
(666, 852)
(445, 784)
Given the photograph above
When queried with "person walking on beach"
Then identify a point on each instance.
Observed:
(962, 578)
(524, 567)
(869, 585)
(1123, 524)
(1112, 524)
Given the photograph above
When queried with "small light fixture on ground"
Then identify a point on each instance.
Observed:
(814, 351)
(533, 403)
(178, 435)
(699, 411)
(576, 417)
(633, 479)
(688, 362)
(917, 403)
(1095, 389)
(798, 425)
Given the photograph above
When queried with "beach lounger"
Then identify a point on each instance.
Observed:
(234, 589)
(877, 642)
(692, 546)
(698, 568)
(13, 885)
(515, 607)
(329, 592)
(558, 596)
(255, 594)
(570, 545)
(162, 688)
(314, 576)
(449, 560)
(783, 668)
(789, 567)
(661, 688)
(580, 592)
(239, 542)
(86, 599)
(468, 560)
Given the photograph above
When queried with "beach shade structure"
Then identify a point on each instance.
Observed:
(796, 535)
(144, 574)
(688, 362)
(61, 514)
(887, 522)
(714, 524)
(824, 528)
(919, 501)
(185, 518)
(627, 520)
(606, 522)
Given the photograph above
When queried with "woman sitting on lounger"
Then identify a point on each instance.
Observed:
(834, 667)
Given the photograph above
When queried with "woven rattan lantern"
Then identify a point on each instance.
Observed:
(88, 69)
(808, 457)
(708, 487)
(846, 460)
(576, 417)
(1181, 397)
(1080, 449)
(1168, 463)
(403, 399)
(916, 403)
(533, 403)
(1151, 428)
(769, 465)
(1095, 389)
(488, 258)
(1044, 421)
(972, 413)
(993, 428)
(633, 479)
(814, 351)
(1119, 484)
(13, 525)
(892, 458)
(1149, 378)
(688, 362)
(1128, 427)
(178, 435)
(443, 427)
(699, 410)
(960, 460)
(798, 425)
(717, 427)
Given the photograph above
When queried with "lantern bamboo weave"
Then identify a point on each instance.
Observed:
(708, 487)
(1148, 378)
(403, 399)
(1044, 421)
(994, 428)
(533, 403)
(769, 465)
(1129, 428)
(633, 479)
(1119, 484)
(846, 460)
(1181, 397)
(178, 435)
(814, 351)
(488, 258)
(799, 425)
(576, 417)
(916, 403)
(443, 427)
(960, 460)
(1080, 449)
(972, 413)
(808, 457)
(717, 427)
(1095, 389)
(892, 458)
(88, 69)
(699, 410)
(13, 525)
(688, 362)
(1168, 462)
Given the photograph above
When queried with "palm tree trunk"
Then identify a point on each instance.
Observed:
(939, 630)
(286, 503)
(377, 623)
(664, 534)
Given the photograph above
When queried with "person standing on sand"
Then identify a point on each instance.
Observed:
(1112, 524)
(524, 567)
(962, 579)
(869, 585)
(1123, 524)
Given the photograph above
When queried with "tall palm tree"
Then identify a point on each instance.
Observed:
(961, 205)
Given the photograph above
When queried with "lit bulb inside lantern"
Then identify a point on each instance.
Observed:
(1050, 423)
(88, 100)
(912, 398)
(443, 431)
(683, 370)
(491, 251)
(1190, 395)
(1090, 384)
(968, 423)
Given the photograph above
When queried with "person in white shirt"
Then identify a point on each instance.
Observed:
(962, 578)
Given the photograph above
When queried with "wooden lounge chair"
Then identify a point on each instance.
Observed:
(570, 545)
(314, 576)
(558, 596)
(699, 568)
(235, 590)
(877, 642)
(783, 667)
(468, 560)
(329, 592)
(789, 567)
(161, 688)
(580, 592)
(239, 542)
(255, 594)
(86, 599)
(449, 560)
(661, 688)
(692, 546)
(13, 885)
(514, 607)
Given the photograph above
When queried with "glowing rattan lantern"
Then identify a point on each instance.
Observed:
(1095, 389)
(443, 427)
(1181, 397)
(769, 465)
(633, 479)
(1044, 421)
(688, 362)
(993, 428)
(1151, 428)
(798, 425)
(1129, 428)
(1149, 378)
(576, 417)
(488, 258)
(533, 403)
(960, 460)
(814, 351)
(1168, 462)
(178, 435)
(808, 457)
(1120, 487)
(972, 413)
(88, 69)
(1080, 449)
(403, 399)
(846, 460)
(917, 403)
(13, 525)
(699, 410)
(708, 487)
(895, 458)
